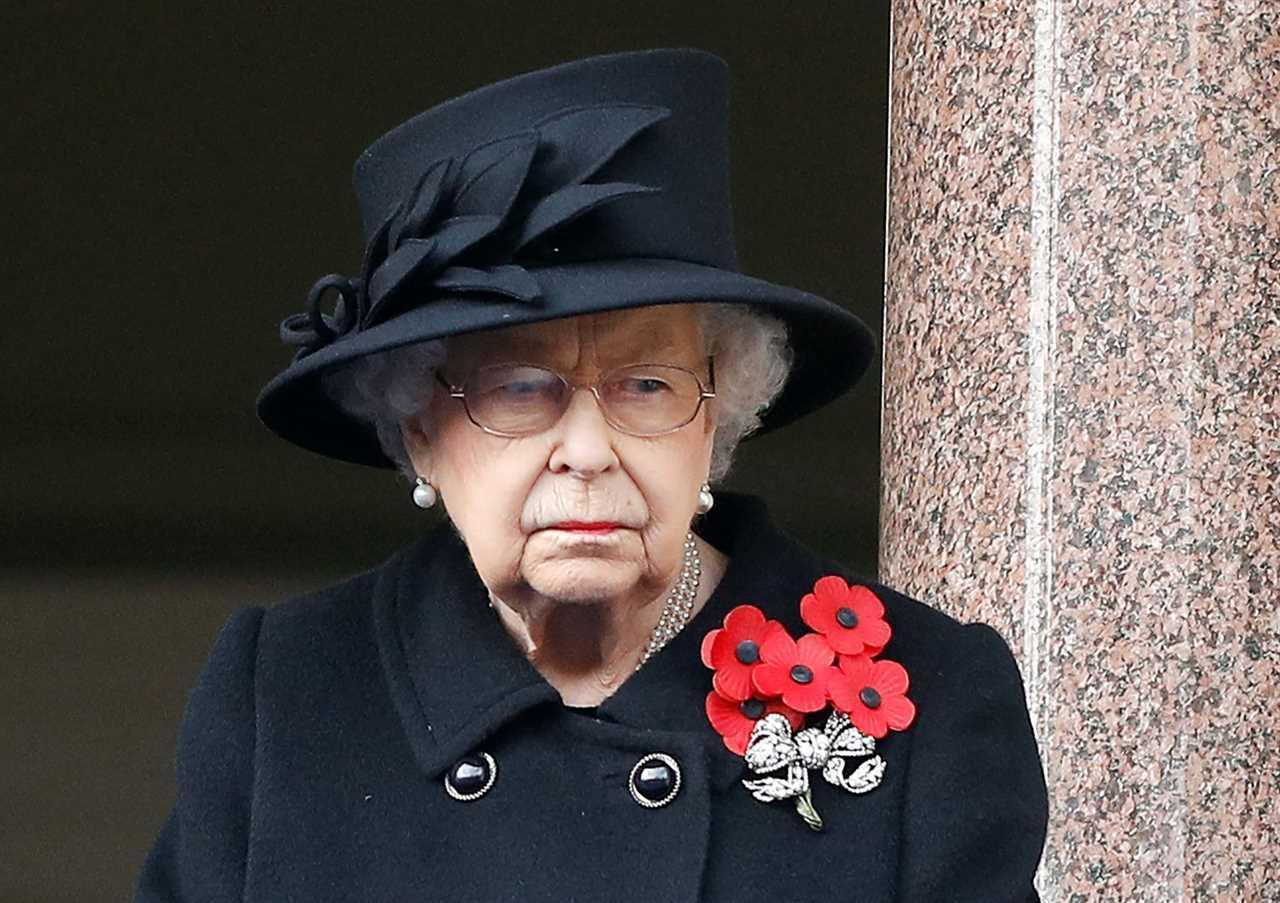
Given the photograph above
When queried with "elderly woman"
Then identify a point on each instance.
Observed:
(598, 680)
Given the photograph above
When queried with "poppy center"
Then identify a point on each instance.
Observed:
(801, 674)
(846, 617)
(751, 708)
(747, 652)
(870, 697)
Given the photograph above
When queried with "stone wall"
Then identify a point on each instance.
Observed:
(1081, 442)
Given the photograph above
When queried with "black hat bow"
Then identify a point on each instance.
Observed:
(470, 218)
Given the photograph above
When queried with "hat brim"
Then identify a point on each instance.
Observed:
(832, 347)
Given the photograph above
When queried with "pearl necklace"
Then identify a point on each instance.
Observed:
(679, 605)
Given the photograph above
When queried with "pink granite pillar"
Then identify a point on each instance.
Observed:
(1081, 432)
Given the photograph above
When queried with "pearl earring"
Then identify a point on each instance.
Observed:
(424, 494)
(705, 499)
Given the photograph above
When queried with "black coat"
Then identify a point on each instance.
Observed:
(313, 750)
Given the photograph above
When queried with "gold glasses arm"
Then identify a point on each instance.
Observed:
(454, 391)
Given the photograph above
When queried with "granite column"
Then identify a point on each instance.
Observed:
(1081, 438)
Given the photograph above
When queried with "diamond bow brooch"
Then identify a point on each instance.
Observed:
(774, 748)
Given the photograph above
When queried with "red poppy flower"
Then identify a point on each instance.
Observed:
(850, 617)
(734, 650)
(871, 693)
(796, 671)
(734, 721)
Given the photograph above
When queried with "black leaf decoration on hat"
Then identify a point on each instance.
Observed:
(467, 217)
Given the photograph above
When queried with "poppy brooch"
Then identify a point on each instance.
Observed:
(766, 683)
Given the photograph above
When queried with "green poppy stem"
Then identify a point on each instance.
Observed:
(804, 805)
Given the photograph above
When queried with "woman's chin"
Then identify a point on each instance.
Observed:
(582, 581)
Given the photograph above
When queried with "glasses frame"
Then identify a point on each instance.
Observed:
(704, 393)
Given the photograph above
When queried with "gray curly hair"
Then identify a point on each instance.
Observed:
(752, 360)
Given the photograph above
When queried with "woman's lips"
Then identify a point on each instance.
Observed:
(579, 526)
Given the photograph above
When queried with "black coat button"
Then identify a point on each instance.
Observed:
(471, 777)
(655, 780)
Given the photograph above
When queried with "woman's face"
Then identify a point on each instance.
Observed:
(511, 497)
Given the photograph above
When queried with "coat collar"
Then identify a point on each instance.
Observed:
(457, 677)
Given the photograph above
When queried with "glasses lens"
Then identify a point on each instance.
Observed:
(647, 399)
(515, 399)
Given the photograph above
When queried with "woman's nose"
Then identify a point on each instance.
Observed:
(583, 438)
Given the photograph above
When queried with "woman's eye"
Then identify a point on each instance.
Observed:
(645, 386)
(523, 388)
(517, 385)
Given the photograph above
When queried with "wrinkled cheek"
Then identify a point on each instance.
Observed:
(663, 551)
(513, 557)
(498, 561)
(490, 524)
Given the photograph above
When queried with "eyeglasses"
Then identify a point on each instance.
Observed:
(513, 400)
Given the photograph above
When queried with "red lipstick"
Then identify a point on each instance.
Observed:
(580, 526)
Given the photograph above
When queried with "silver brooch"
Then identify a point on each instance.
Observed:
(773, 748)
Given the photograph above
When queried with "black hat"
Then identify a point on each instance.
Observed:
(594, 185)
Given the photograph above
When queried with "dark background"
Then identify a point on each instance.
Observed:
(175, 177)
